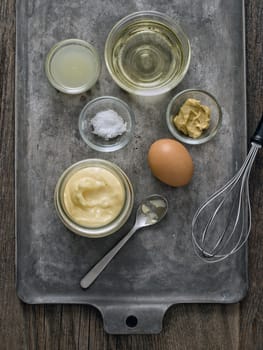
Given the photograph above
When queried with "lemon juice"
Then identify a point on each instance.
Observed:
(73, 66)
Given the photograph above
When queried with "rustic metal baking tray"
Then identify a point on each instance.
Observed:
(158, 267)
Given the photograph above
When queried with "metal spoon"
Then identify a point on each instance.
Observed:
(151, 210)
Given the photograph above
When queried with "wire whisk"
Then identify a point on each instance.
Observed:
(221, 225)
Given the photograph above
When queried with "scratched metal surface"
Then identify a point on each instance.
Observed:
(158, 267)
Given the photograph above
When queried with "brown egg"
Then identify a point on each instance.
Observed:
(170, 162)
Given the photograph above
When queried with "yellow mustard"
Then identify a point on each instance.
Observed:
(193, 118)
(93, 197)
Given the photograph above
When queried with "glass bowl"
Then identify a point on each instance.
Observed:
(101, 104)
(206, 99)
(147, 53)
(101, 231)
(73, 66)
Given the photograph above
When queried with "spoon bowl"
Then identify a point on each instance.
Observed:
(151, 210)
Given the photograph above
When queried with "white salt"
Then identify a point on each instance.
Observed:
(108, 124)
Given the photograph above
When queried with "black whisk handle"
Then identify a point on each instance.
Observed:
(258, 135)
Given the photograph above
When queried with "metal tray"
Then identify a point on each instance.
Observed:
(158, 267)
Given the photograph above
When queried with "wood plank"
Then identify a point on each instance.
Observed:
(12, 319)
(251, 309)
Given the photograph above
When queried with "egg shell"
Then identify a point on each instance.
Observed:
(170, 162)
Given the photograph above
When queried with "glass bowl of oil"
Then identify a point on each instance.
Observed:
(147, 53)
(73, 66)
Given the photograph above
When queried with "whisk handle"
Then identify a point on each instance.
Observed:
(258, 135)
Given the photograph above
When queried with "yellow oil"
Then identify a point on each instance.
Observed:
(147, 54)
(73, 66)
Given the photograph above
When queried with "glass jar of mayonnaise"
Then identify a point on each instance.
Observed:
(94, 198)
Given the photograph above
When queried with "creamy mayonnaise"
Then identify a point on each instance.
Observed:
(93, 197)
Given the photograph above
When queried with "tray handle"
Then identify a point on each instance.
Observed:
(133, 319)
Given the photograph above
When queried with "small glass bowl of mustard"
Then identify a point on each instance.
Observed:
(94, 198)
(206, 101)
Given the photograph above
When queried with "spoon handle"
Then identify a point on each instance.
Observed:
(97, 269)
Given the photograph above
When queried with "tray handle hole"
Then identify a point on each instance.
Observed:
(131, 321)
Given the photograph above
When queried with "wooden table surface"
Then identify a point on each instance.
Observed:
(192, 326)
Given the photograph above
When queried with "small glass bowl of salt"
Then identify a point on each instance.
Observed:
(106, 124)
